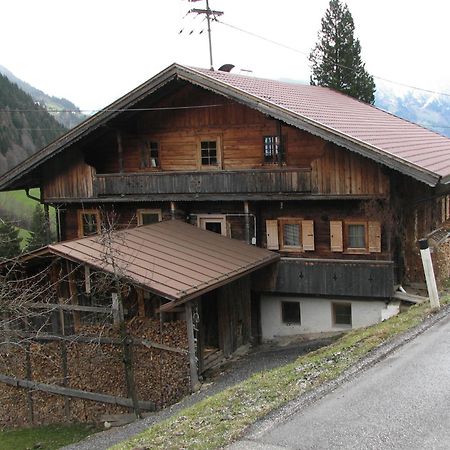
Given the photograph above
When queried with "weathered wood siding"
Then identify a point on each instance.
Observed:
(322, 213)
(419, 212)
(335, 278)
(339, 171)
(67, 176)
(239, 132)
(234, 310)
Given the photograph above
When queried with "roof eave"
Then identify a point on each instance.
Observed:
(87, 126)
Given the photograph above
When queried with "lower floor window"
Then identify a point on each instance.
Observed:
(356, 235)
(290, 312)
(88, 222)
(342, 314)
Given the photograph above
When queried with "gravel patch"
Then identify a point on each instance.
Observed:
(235, 370)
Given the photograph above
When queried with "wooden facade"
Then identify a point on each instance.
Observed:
(195, 155)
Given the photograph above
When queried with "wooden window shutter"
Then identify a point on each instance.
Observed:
(336, 236)
(272, 234)
(308, 235)
(374, 237)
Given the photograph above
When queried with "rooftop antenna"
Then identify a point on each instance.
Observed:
(208, 12)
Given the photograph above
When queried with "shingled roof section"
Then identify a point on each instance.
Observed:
(173, 259)
(349, 117)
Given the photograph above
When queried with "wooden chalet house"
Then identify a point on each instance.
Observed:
(340, 190)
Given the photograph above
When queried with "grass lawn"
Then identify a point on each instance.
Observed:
(46, 437)
(222, 418)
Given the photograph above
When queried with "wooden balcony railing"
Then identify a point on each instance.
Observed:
(224, 182)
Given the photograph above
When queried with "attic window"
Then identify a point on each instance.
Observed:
(271, 149)
(208, 153)
(149, 155)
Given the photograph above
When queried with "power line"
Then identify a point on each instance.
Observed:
(430, 91)
(165, 108)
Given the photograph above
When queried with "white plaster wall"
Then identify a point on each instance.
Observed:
(316, 315)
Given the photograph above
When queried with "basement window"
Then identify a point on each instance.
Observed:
(342, 314)
(290, 312)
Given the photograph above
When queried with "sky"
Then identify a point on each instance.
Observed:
(94, 51)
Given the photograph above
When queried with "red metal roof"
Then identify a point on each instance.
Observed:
(173, 259)
(356, 120)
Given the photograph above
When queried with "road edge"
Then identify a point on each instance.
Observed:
(306, 399)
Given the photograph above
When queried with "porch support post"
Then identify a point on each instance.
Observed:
(173, 209)
(192, 348)
(119, 150)
(429, 273)
(247, 222)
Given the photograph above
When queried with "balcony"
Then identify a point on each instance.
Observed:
(330, 277)
(211, 185)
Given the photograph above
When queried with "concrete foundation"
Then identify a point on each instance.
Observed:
(316, 315)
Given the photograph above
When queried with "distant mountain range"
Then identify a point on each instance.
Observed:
(427, 109)
(63, 110)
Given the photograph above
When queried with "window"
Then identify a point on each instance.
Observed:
(208, 151)
(290, 234)
(215, 223)
(290, 312)
(88, 222)
(149, 155)
(148, 216)
(355, 236)
(342, 313)
(271, 149)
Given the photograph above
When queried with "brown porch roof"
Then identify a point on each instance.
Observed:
(173, 259)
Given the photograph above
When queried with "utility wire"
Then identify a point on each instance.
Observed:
(166, 108)
(430, 91)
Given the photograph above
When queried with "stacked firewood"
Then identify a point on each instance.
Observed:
(161, 374)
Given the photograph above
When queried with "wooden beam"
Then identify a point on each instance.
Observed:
(73, 296)
(68, 307)
(193, 370)
(78, 393)
(120, 150)
(99, 340)
(150, 344)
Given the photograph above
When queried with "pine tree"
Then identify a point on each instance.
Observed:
(38, 230)
(336, 58)
(9, 240)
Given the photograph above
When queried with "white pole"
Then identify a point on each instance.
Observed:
(429, 273)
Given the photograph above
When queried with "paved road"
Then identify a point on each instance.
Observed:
(403, 402)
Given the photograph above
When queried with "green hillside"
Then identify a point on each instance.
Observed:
(25, 126)
(63, 110)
